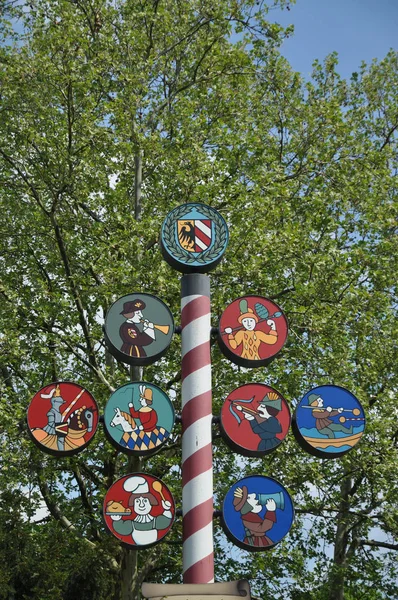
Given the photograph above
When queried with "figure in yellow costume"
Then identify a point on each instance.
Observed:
(249, 338)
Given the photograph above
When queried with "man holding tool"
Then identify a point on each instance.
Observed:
(322, 416)
(249, 337)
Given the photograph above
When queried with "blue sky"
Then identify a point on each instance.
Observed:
(359, 30)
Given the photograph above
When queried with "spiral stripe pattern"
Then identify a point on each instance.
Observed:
(197, 469)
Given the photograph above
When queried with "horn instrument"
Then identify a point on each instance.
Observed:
(162, 328)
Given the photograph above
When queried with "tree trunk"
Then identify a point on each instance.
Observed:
(129, 574)
(337, 574)
(137, 185)
(129, 561)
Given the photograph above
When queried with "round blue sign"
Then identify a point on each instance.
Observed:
(138, 418)
(257, 513)
(328, 422)
(194, 238)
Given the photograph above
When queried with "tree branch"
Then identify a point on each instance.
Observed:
(57, 514)
(375, 544)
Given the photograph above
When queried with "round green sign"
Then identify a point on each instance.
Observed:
(138, 329)
(194, 238)
(138, 418)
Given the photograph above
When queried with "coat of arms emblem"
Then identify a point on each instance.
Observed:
(194, 235)
(194, 238)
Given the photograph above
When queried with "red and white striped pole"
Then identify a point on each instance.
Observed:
(197, 460)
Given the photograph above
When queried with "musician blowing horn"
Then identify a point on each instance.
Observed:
(134, 338)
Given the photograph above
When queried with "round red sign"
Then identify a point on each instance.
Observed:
(62, 418)
(255, 419)
(252, 331)
(139, 509)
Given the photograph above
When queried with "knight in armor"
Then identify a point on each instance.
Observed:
(54, 417)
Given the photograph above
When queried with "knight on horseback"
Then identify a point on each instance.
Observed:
(146, 414)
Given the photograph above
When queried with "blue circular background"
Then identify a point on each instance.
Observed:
(336, 397)
(259, 484)
(190, 260)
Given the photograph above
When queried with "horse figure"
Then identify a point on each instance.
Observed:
(125, 420)
(73, 431)
(134, 437)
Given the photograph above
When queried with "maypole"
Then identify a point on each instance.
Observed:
(197, 469)
(139, 509)
(194, 239)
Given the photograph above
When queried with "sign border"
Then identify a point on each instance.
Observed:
(143, 361)
(60, 453)
(306, 446)
(167, 239)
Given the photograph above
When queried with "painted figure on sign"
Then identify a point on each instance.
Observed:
(65, 430)
(144, 527)
(263, 421)
(138, 417)
(322, 416)
(134, 337)
(255, 526)
(329, 421)
(248, 338)
(146, 414)
(54, 418)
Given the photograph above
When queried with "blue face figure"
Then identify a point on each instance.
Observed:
(257, 513)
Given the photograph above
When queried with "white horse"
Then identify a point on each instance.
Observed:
(125, 420)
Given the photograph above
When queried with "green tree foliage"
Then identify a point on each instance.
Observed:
(112, 113)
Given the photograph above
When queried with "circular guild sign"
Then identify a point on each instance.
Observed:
(138, 418)
(138, 329)
(194, 237)
(257, 513)
(328, 422)
(252, 331)
(255, 419)
(139, 510)
(62, 418)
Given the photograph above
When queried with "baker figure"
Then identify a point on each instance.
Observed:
(144, 527)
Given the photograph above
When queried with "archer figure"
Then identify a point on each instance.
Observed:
(250, 338)
(263, 420)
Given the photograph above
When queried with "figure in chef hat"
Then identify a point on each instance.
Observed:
(144, 527)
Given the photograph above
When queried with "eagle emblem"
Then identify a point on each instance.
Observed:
(194, 235)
